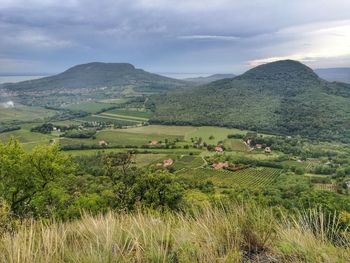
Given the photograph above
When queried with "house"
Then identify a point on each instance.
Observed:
(218, 149)
(258, 146)
(153, 142)
(249, 141)
(102, 143)
(268, 150)
(167, 162)
(347, 183)
(220, 165)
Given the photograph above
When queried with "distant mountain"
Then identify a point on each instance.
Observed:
(334, 74)
(92, 81)
(204, 80)
(284, 97)
(98, 75)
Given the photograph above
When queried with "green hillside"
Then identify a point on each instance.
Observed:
(96, 75)
(283, 97)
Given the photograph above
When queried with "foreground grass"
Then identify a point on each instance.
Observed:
(237, 234)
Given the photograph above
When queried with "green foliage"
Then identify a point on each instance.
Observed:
(25, 176)
(86, 133)
(45, 128)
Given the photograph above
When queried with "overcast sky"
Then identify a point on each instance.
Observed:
(186, 36)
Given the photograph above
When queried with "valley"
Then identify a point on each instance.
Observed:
(277, 141)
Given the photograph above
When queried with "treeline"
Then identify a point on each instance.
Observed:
(9, 128)
(47, 183)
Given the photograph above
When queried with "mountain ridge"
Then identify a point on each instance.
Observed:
(95, 75)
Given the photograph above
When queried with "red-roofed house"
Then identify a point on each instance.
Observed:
(218, 149)
(167, 162)
(102, 143)
(258, 146)
(220, 165)
(153, 142)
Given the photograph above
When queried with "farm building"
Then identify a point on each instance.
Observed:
(258, 146)
(153, 142)
(168, 162)
(218, 149)
(102, 143)
(347, 184)
(268, 150)
(220, 165)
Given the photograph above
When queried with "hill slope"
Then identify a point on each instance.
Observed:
(211, 78)
(96, 75)
(334, 74)
(283, 97)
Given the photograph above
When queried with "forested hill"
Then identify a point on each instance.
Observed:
(283, 97)
(96, 75)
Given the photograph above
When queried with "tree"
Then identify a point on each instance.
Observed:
(26, 175)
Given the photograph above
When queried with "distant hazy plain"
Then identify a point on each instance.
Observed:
(12, 79)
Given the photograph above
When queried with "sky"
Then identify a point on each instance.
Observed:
(172, 36)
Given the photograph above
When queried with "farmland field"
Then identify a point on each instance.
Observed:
(25, 114)
(235, 145)
(131, 113)
(114, 121)
(250, 177)
(218, 133)
(118, 137)
(162, 129)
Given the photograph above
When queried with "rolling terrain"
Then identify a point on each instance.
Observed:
(284, 97)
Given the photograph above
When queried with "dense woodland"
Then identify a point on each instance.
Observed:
(283, 97)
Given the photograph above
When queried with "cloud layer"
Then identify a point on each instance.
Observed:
(172, 35)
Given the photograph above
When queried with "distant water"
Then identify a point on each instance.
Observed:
(12, 79)
(184, 75)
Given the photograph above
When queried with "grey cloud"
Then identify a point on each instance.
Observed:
(191, 35)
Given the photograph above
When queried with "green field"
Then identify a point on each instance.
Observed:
(112, 120)
(235, 145)
(27, 138)
(120, 138)
(250, 177)
(143, 115)
(219, 134)
(162, 129)
(91, 152)
(22, 113)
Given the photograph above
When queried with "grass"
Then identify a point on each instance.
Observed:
(22, 113)
(163, 129)
(27, 138)
(131, 113)
(120, 138)
(219, 134)
(90, 152)
(238, 233)
(116, 121)
(235, 145)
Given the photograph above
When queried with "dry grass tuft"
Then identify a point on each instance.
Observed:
(234, 234)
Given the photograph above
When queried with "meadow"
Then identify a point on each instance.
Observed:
(237, 233)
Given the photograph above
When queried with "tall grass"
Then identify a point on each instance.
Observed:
(234, 234)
